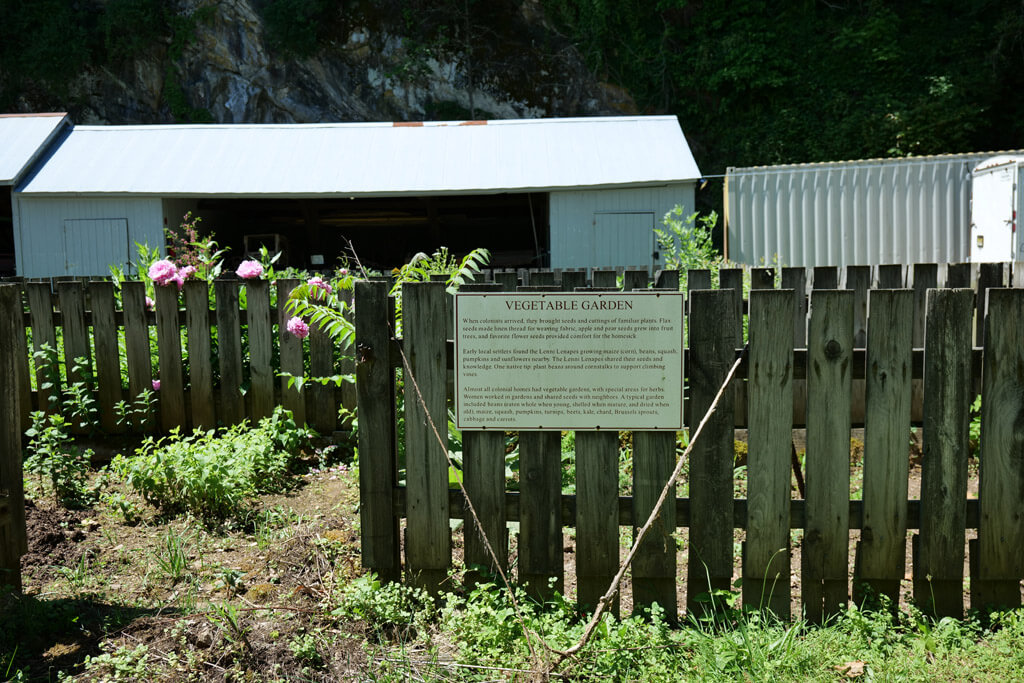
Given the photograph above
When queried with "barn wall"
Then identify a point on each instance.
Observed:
(611, 228)
(41, 233)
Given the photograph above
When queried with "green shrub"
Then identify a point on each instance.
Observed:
(56, 460)
(215, 476)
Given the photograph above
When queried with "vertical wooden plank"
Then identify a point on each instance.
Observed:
(168, 340)
(71, 299)
(667, 279)
(762, 278)
(21, 360)
(698, 279)
(989, 275)
(13, 538)
(571, 279)
(796, 279)
(654, 567)
(108, 356)
(712, 352)
(483, 456)
(323, 413)
(542, 277)
(597, 516)
(958, 275)
(939, 557)
(292, 398)
(375, 388)
(770, 386)
(483, 464)
(999, 567)
(261, 349)
(825, 277)
(507, 279)
(229, 352)
(137, 355)
(604, 278)
(541, 568)
(40, 304)
(634, 279)
(881, 553)
(200, 358)
(824, 555)
(926, 276)
(890, 276)
(346, 362)
(428, 539)
(858, 280)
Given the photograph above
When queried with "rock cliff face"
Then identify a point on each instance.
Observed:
(499, 59)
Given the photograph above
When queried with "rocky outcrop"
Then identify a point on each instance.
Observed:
(505, 62)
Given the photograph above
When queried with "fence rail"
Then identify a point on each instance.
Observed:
(889, 349)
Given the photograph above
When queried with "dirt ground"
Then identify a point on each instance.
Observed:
(239, 599)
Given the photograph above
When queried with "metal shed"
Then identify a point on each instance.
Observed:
(868, 212)
(555, 192)
(23, 138)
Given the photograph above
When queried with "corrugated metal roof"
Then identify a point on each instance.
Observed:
(22, 139)
(365, 159)
(864, 163)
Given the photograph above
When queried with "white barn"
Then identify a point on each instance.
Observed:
(545, 192)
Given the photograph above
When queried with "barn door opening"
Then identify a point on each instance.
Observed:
(92, 245)
(623, 238)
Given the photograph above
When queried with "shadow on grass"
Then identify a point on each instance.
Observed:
(40, 637)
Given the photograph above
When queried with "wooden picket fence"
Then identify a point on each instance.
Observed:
(249, 386)
(904, 342)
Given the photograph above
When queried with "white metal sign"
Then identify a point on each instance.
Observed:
(565, 361)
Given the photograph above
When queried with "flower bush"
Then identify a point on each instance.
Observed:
(249, 270)
(298, 327)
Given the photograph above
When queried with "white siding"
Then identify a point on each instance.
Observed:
(851, 213)
(583, 222)
(40, 232)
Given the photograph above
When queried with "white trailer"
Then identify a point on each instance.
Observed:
(995, 202)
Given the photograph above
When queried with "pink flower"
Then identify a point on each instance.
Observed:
(156, 385)
(150, 304)
(316, 283)
(343, 271)
(186, 272)
(249, 269)
(298, 327)
(162, 272)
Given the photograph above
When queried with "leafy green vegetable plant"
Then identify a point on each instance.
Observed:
(57, 461)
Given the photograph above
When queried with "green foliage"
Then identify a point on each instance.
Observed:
(296, 27)
(685, 243)
(215, 476)
(388, 609)
(57, 461)
(130, 27)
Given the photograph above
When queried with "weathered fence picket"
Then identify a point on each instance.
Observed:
(293, 397)
(261, 349)
(168, 343)
(200, 368)
(229, 352)
(597, 520)
(881, 552)
(13, 540)
(137, 354)
(824, 566)
(770, 396)
(997, 561)
(108, 367)
(939, 552)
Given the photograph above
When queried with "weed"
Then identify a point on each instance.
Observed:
(56, 460)
(173, 558)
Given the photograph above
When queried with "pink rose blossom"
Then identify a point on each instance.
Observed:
(298, 327)
(162, 272)
(187, 272)
(156, 385)
(343, 271)
(249, 269)
(316, 283)
(150, 304)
